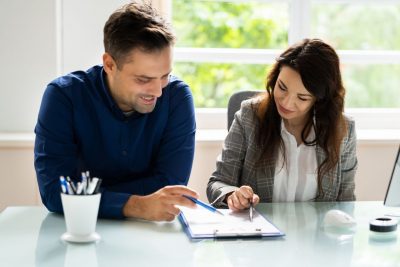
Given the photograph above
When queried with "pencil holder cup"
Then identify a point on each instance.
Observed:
(80, 213)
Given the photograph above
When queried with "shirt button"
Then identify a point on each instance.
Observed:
(124, 152)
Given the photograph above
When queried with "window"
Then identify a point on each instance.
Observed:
(230, 36)
(369, 31)
(225, 46)
(213, 83)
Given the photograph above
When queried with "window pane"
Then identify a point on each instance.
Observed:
(371, 86)
(357, 26)
(367, 86)
(213, 84)
(225, 24)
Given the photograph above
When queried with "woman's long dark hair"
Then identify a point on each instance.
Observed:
(318, 65)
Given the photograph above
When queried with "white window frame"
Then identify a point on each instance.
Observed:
(299, 14)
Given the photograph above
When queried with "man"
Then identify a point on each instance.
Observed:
(128, 122)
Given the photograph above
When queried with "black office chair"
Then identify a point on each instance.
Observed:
(234, 103)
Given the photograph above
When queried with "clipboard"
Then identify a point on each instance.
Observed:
(200, 223)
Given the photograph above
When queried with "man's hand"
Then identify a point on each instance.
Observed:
(241, 198)
(160, 206)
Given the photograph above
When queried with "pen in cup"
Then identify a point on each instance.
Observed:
(64, 187)
(87, 185)
(204, 205)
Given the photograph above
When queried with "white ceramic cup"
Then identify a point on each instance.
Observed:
(80, 213)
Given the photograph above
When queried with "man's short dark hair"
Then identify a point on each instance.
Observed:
(136, 26)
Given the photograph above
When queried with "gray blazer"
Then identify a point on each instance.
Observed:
(236, 165)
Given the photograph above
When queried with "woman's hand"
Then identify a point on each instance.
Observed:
(241, 198)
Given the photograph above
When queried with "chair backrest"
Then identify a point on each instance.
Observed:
(234, 103)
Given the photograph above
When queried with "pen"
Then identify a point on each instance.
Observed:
(251, 211)
(70, 185)
(92, 185)
(87, 186)
(63, 185)
(97, 188)
(204, 205)
(84, 183)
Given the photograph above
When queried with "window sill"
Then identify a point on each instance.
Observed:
(364, 136)
(17, 140)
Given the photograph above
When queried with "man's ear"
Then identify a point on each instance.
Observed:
(108, 63)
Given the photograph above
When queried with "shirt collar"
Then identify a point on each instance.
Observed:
(106, 90)
(310, 137)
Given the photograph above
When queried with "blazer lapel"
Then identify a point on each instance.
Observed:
(329, 180)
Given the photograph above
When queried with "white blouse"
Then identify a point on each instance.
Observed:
(296, 180)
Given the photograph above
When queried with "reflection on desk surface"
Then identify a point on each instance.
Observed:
(30, 236)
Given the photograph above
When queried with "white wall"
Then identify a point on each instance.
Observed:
(28, 60)
(40, 40)
(18, 186)
(82, 32)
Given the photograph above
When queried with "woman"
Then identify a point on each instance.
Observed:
(291, 143)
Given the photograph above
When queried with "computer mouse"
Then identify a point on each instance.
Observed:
(338, 219)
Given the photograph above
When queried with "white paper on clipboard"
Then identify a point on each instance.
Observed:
(201, 223)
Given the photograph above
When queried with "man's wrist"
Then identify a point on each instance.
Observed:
(133, 207)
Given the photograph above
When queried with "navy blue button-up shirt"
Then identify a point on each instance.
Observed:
(81, 128)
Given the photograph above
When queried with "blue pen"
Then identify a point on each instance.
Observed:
(63, 185)
(204, 205)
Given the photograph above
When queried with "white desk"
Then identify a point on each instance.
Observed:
(30, 236)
